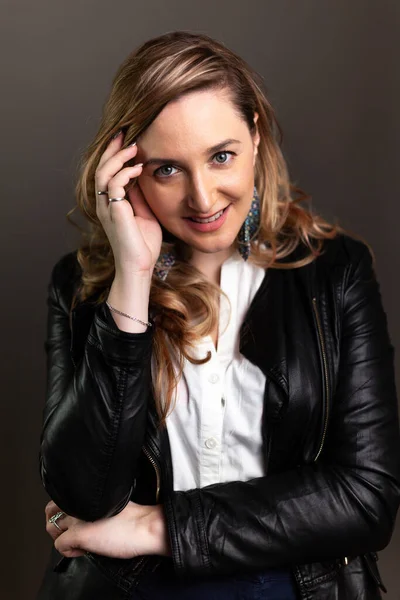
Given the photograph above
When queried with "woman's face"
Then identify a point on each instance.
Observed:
(199, 158)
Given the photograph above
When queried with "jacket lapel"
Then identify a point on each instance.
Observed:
(262, 334)
(278, 335)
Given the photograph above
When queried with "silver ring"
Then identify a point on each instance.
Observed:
(101, 193)
(115, 199)
(54, 518)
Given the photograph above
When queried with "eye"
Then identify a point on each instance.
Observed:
(159, 172)
(165, 171)
(224, 153)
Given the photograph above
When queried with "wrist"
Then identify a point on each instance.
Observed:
(126, 275)
(130, 295)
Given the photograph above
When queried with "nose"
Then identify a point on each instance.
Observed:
(202, 197)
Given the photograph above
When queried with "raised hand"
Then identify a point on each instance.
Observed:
(133, 231)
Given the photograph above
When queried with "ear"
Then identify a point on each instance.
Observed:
(256, 138)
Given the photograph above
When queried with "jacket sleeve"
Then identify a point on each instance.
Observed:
(87, 459)
(343, 505)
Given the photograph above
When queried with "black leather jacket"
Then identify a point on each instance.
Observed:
(330, 428)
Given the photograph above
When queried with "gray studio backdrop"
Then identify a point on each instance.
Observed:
(331, 70)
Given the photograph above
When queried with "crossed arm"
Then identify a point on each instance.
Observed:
(344, 505)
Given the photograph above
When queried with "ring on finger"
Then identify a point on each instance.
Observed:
(105, 192)
(59, 515)
(115, 199)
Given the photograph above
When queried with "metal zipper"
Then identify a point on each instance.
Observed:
(269, 431)
(153, 462)
(269, 444)
(326, 387)
(326, 384)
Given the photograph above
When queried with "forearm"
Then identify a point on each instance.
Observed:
(95, 420)
(130, 294)
(346, 503)
(307, 515)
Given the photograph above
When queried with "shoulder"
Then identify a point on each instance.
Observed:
(345, 268)
(342, 260)
(347, 257)
(343, 256)
(344, 250)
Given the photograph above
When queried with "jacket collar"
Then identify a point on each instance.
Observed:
(264, 332)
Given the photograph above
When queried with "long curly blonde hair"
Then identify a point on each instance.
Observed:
(184, 307)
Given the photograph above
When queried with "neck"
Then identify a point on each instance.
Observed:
(210, 263)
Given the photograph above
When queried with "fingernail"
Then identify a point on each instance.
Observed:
(139, 165)
(133, 144)
(116, 134)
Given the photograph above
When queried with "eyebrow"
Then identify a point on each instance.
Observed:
(211, 150)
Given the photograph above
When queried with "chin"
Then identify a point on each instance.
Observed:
(212, 246)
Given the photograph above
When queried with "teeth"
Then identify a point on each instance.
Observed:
(210, 220)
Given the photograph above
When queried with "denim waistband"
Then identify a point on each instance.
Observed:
(163, 584)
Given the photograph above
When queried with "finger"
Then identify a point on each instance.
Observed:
(63, 523)
(116, 186)
(52, 530)
(53, 533)
(116, 189)
(69, 543)
(50, 508)
(112, 166)
(113, 146)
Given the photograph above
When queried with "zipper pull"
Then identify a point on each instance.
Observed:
(158, 477)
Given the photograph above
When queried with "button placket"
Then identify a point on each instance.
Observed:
(211, 422)
(213, 378)
(207, 429)
(211, 443)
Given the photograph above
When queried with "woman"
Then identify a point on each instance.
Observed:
(221, 415)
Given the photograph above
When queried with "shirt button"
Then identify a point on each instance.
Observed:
(213, 378)
(211, 443)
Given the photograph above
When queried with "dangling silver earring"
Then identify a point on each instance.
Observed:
(250, 226)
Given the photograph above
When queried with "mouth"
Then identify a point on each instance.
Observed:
(209, 219)
(209, 224)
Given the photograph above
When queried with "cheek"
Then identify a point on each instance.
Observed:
(157, 198)
(242, 174)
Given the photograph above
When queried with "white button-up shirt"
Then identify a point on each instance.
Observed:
(215, 428)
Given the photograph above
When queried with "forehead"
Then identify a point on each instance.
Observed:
(199, 118)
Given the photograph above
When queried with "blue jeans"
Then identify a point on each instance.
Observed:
(271, 584)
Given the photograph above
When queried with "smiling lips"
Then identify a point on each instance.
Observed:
(210, 219)
(211, 224)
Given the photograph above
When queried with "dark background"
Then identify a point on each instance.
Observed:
(331, 69)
